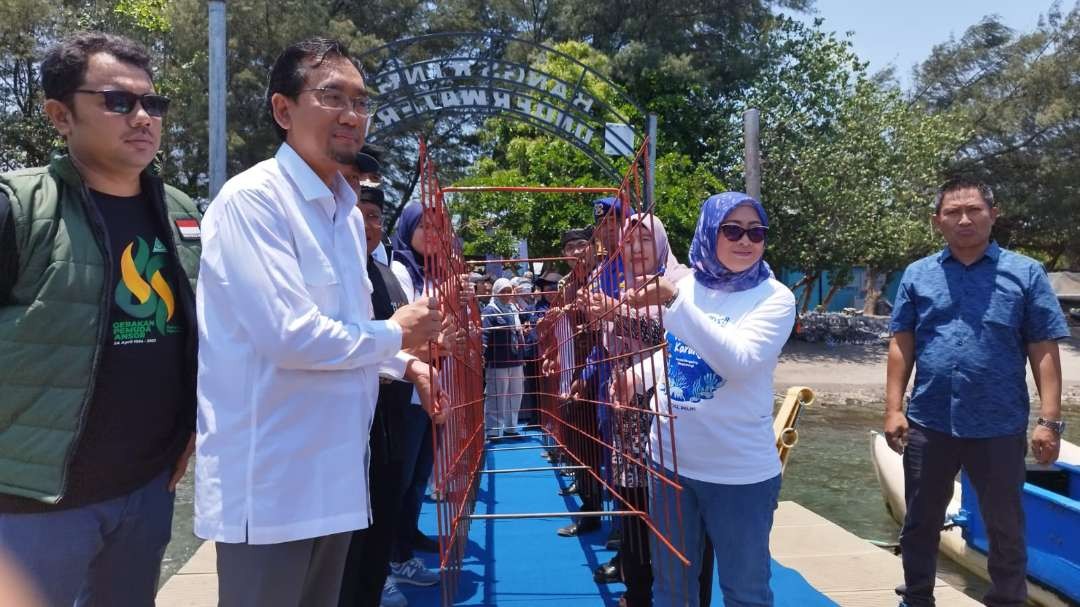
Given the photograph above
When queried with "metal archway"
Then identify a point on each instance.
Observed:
(454, 74)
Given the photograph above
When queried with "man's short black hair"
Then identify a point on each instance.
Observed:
(964, 182)
(290, 69)
(63, 69)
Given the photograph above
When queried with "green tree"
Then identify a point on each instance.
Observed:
(517, 154)
(27, 29)
(849, 166)
(1018, 96)
(26, 26)
(258, 30)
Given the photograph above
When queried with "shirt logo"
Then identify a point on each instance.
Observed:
(143, 294)
(690, 379)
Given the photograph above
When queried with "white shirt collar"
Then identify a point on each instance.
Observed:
(311, 187)
(380, 254)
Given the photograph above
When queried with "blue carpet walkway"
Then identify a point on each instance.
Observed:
(523, 562)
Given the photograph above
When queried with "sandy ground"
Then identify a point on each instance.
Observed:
(855, 375)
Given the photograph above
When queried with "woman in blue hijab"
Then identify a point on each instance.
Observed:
(408, 249)
(726, 324)
(413, 443)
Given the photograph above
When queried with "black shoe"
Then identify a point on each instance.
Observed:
(512, 433)
(608, 573)
(571, 490)
(583, 526)
(614, 540)
(424, 543)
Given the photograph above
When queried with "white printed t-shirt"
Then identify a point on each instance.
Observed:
(723, 349)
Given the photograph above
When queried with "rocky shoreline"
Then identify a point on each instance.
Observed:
(853, 375)
(846, 395)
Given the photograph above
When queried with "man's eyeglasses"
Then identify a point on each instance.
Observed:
(734, 232)
(575, 248)
(123, 102)
(336, 100)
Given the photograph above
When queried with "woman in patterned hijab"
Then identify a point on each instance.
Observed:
(708, 269)
(725, 329)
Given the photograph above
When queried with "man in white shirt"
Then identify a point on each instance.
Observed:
(289, 356)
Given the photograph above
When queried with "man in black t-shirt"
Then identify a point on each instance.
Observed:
(113, 308)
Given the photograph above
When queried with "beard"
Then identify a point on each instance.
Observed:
(345, 155)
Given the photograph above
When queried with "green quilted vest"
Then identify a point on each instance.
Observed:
(52, 329)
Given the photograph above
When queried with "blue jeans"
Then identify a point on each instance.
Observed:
(736, 518)
(108, 553)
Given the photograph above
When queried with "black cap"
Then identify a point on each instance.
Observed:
(548, 280)
(372, 196)
(577, 234)
(366, 163)
(375, 151)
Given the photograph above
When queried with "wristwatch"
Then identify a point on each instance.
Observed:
(1058, 426)
(674, 296)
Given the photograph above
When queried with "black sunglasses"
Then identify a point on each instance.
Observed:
(123, 102)
(734, 232)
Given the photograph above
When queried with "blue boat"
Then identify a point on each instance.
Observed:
(1052, 510)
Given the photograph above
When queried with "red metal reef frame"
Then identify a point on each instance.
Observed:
(593, 324)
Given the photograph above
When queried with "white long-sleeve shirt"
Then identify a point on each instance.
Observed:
(722, 352)
(289, 358)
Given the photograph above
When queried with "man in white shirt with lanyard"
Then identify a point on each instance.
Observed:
(289, 356)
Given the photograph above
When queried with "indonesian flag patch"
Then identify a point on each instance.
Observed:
(189, 229)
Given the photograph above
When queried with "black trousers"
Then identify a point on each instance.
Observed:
(368, 560)
(996, 469)
(634, 558)
(530, 400)
(582, 416)
(415, 451)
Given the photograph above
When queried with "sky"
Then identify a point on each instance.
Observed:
(903, 33)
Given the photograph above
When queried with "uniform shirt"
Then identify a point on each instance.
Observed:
(503, 340)
(972, 325)
(723, 349)
(289, 358)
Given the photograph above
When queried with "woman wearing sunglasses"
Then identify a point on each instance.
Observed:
(726, 324)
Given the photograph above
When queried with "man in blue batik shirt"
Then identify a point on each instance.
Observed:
(968, 319)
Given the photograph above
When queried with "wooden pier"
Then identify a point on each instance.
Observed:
(849, 570)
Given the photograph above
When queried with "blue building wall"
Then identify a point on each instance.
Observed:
(850, 295)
